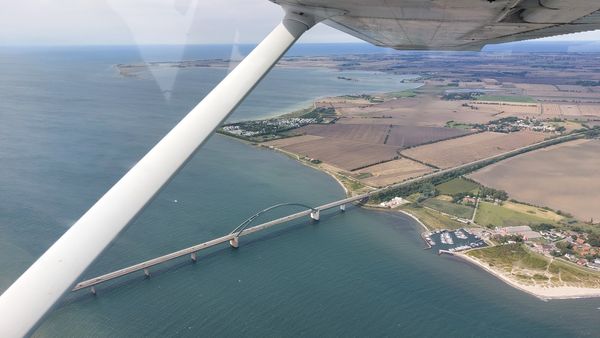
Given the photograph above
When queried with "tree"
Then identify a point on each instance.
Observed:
(594, 239)
(494, 193)
(542, 227)
(428, 190)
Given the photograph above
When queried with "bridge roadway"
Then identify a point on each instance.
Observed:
(232, 238)
(198, 247)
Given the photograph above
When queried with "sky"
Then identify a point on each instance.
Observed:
(102, 22)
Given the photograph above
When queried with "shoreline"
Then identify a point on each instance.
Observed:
(545, 294)
(542, 293)
(415, 218)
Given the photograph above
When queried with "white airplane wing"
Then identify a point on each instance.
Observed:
(455, 24)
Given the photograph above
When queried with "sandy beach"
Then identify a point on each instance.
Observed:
(559, 292)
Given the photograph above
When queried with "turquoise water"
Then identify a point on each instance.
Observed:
(70, 127)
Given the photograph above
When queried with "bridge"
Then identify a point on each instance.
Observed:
(233, 238)
(313, 212)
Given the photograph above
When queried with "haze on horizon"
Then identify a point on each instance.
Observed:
(142, 22)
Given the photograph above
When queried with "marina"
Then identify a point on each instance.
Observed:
(453, 240)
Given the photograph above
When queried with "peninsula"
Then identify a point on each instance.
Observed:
(481, 154)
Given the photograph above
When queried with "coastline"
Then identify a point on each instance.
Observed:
(545, 294)
(415, 218)
(542, 293)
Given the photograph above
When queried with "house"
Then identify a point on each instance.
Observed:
(469, 200)
(522, 230)
(515, 229)
(570, 257)
(394, 202)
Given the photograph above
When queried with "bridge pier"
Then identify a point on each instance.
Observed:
(234, 242)
(315, 214)
(194, 257)
(93, 290)
(343, 207)
(147, 273)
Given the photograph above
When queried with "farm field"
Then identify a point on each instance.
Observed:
(458, 185)
(393, 171)
(366, 133)
(344, 154)
(491, 215)
(402, 136)
(409, 136)
(432, 219)
(450, 208)
(426, 109)
(284, 142)
(549, 215)
(564, 177)
(506, 109)
(506, 98)
(450, 153)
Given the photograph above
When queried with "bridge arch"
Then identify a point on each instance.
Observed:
(249, 220)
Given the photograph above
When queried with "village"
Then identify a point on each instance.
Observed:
(513, 124)
(574, 246)
(264, 127)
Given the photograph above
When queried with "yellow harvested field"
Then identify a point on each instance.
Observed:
(470, 148)
(590, 110)
(510, 109)
(556, 93)
(535, 211)
(284, 142)
(570, 109)
(563, 177)
(551, 110)
(366, 133)
(418, 111)
(394, 171)
(530, 86)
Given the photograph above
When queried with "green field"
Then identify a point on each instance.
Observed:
(433, 220)
(459, 125)
(458, 210)
(491, 215)
(506, 98)
(458, 185)
(532, 268)
(405, 93)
